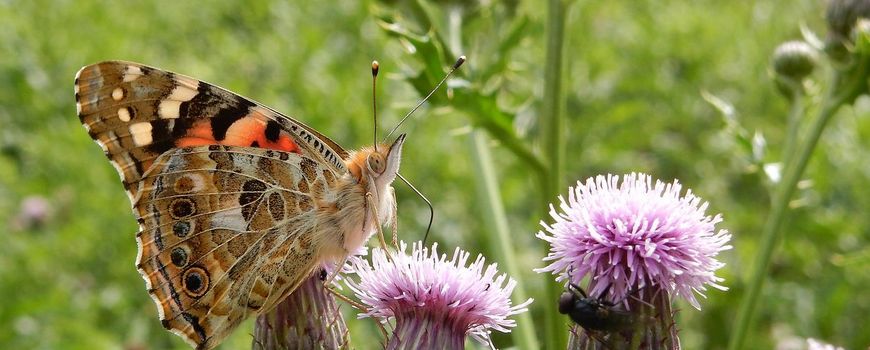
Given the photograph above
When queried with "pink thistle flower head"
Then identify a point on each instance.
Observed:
(630, 235)
(435, 301)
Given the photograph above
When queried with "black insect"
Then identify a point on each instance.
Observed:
(594, 314)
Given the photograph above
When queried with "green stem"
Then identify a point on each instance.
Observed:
(794, 118)
(494, 212)
(552, 137)
(552, 108)
(499, 234)
(771, 234)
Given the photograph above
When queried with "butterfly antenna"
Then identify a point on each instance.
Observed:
(456, 66)
(375, 67)
(431, 210)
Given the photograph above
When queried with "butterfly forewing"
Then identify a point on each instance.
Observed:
(136, 113)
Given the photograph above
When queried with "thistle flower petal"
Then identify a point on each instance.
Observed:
(423, 286)
(633, 234)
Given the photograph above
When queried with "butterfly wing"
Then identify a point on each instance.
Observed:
(226, 232)
(136, 113)
(223, 188)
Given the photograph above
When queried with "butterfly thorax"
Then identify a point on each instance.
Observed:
(373, 171)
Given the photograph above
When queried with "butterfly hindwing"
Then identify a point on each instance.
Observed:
(136, 113)
(225, 232)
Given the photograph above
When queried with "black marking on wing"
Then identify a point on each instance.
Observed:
(158, 235)
(228, 115)
(172, 292)
(196, 106)
(273, 131)
(194, 321)
(166, 132)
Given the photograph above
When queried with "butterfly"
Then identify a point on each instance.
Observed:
(237, 204)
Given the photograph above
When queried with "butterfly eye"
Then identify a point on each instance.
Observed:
(376, 163)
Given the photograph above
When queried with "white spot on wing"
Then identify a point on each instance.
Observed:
(117, 94)
(78, 108)
(188, 82)
(141, 133)
(132, 73)
(230, 219)
(184, 92)
(124, 114)
(169, 109)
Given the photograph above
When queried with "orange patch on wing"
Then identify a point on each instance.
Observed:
(245, 131)
(249, 131)
(198, 135)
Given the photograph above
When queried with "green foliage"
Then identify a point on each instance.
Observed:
(634, 75)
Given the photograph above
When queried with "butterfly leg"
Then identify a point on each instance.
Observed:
(395, 224)
(327, 283)
(356, 305)
(374, 209)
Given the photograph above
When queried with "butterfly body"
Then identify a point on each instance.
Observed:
(237, 204)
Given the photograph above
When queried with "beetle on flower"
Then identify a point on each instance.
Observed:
(637, 237)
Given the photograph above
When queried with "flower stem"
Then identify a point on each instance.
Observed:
(494, 216)
(307, 319)
(498, 233)
(795, 116)
(553, 104)
(421, 331)
(771, 235)
(552, 137)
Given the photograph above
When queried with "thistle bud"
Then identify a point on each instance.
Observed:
(794, 60)
(841, 16)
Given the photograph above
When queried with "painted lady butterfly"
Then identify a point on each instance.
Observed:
(237, 204)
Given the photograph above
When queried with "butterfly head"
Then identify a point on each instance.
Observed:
(376, 167)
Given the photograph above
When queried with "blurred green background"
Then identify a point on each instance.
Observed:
(634, 76)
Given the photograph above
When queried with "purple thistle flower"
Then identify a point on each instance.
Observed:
(632, 235)
(435, 302)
